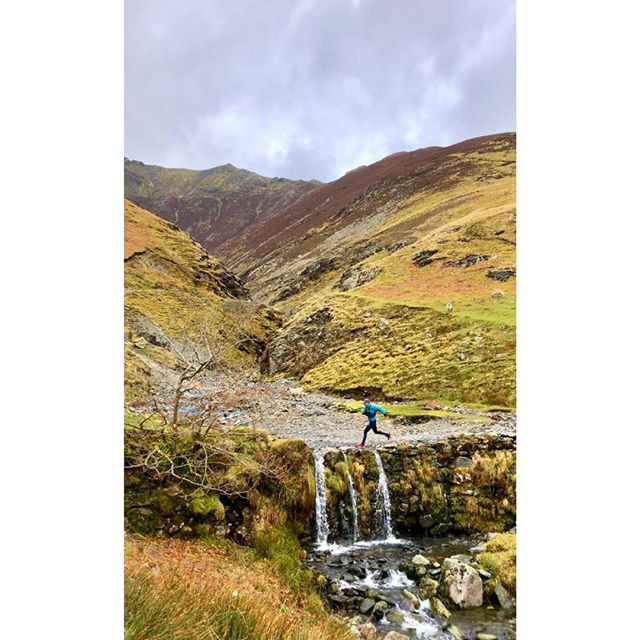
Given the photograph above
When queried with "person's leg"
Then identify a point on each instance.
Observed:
(364, 436)
(381, 433)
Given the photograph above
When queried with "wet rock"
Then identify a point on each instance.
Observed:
(379, 609)
(395, 617)
(412, 599)
(503, 596)
(456, 632)
(428, 587)
(366, 605)
(440, 528)
(461, 583)
(419, 560)
(439, 609)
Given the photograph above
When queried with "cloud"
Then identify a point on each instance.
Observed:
(313, 88)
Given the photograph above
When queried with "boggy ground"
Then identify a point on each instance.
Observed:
(285, 410)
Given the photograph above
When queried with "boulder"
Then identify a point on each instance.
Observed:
(456, 632)
(461, 583)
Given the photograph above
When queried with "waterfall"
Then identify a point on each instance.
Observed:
(383, 493)
(354, 504)
(322, 522)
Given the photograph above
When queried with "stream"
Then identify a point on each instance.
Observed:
(368, 581)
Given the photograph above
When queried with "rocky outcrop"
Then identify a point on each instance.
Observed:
(467, 261)
(502, 275)
(357, 276)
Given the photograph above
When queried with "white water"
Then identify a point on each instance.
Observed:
(322, 522)
(383, 492)
(354, 504)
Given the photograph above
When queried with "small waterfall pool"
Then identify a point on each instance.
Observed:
(356, 570)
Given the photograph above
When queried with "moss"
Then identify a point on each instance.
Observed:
(500, 561)
(205, 505)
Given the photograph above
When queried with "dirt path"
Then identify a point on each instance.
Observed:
(287, 411)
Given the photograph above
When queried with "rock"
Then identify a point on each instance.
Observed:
(502, 275)
(468, 261)
(379, 609)
(368, 631)
(461, 583)
(420, 560)
(498, 293)
(503, 596)
(383, 323)
(357, 276)
(428, 587)
(486, 636)
(439, 609)
(485, 575)
(456, 632)
(426, 521)
(395, 635)
(423, 258)
(462, 461)
(296, 391)
(411, 598)
(355, 631)
(395, 617)
(479, 549)
(440, 528)
(366, 605)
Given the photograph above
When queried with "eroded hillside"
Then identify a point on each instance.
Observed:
(177, 295)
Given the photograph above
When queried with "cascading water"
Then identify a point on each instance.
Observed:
(354, 503)
(322, 522)
(385, 501)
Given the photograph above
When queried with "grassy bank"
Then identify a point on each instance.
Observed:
(183, 590)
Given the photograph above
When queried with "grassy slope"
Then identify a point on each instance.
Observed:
(425, 352)
(173, 287)
(180, 590)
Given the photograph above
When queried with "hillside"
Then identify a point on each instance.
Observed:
(396, 280)
(212, 205)
(366, 266)
(176, 294)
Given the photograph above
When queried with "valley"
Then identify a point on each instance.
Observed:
(258, 313)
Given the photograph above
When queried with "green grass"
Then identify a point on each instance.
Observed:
(407, 410)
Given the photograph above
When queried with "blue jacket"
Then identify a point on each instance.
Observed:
(370, 411)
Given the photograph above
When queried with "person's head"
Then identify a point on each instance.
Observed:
(366, 401)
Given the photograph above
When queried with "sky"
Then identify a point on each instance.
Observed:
(312, 88)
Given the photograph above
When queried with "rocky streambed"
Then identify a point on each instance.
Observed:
(415, 589)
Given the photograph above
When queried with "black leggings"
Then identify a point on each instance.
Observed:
(372, 426)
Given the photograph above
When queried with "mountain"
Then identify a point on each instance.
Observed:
(212, 205)
(176, 294)
(396, 280)
(364, 269)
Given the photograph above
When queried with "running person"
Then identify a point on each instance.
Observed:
(370, 411)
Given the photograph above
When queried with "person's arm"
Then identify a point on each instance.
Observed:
(380, 409)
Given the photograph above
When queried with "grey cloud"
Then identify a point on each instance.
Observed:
(313, 88)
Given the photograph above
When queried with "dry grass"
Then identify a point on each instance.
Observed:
(190, 591)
